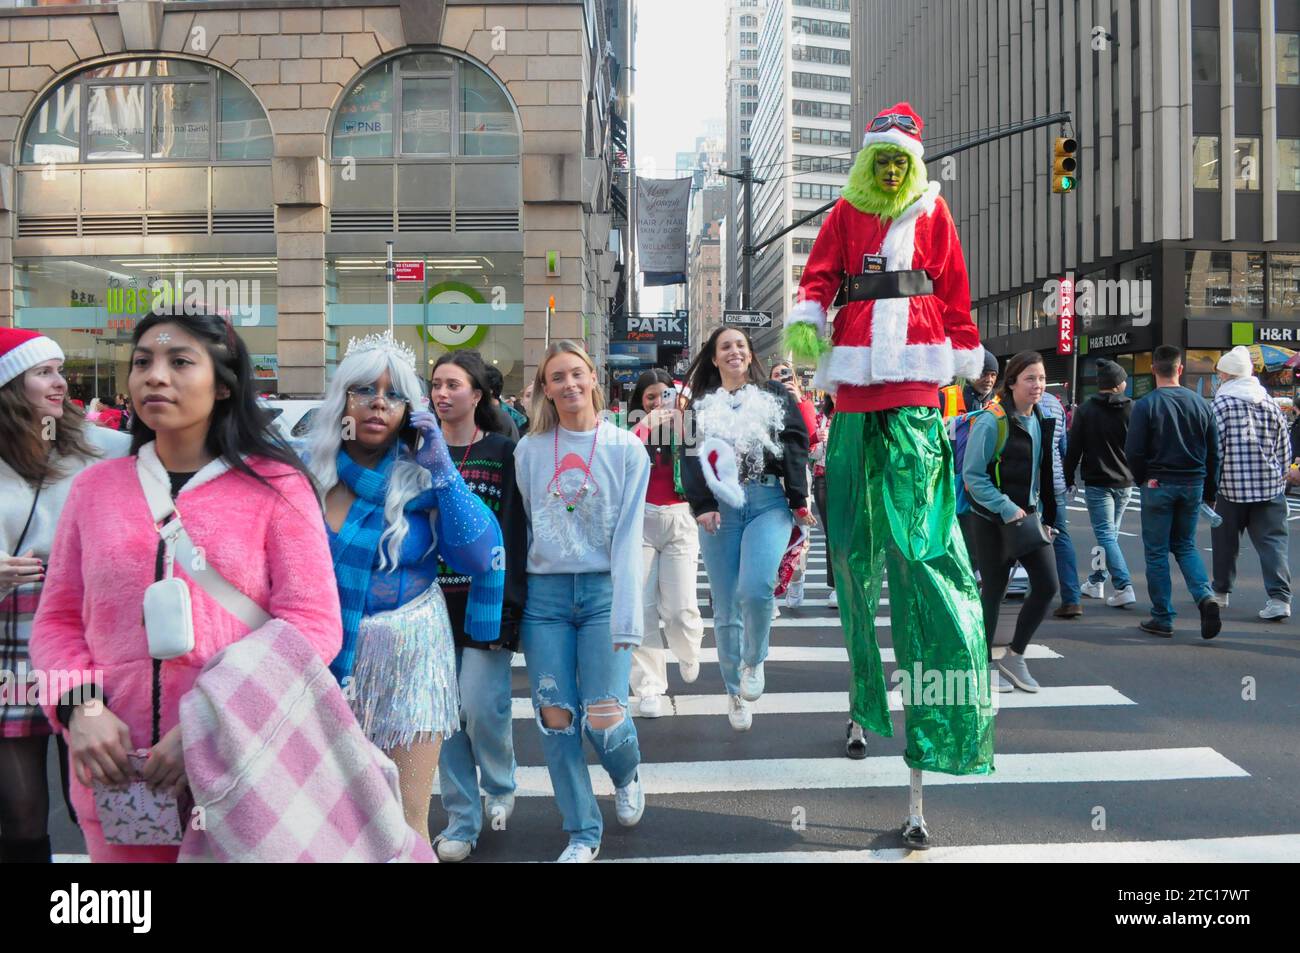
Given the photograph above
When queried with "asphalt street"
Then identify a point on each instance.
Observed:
(1138, 748)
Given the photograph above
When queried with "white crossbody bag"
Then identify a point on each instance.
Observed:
(168, 612)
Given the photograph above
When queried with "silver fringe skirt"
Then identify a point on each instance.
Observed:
(404, 681)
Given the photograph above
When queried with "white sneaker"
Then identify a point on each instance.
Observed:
(452, 851)
(741, 718)
(832, 601)
(1221, 598)
(1122, 598)
(1275, 611)
(794, 593)
(652, 706)
(629, 802)
(751, 682)
(1095, 590)
(578, 854)
(498, 808)
(689, 671)
(776, 611)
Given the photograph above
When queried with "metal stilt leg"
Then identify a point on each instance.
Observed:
(915, 834)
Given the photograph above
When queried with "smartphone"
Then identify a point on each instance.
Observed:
(785, 374)
(669, 399)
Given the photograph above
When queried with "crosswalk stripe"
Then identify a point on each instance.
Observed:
(1266, 849)
(798, 653)
(820, 774)
(809, 703)
(789, 622)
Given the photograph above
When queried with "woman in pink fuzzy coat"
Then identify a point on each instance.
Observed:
(250, 510)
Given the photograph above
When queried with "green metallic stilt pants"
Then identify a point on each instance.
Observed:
(890, 506)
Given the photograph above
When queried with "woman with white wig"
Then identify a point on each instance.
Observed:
(394, 503)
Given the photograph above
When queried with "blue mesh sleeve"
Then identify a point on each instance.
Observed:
(469, 536)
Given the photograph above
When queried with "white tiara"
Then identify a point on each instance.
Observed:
(382, 341)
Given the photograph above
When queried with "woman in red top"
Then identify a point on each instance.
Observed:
(670, 552)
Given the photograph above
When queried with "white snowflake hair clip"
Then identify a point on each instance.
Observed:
(383, 340)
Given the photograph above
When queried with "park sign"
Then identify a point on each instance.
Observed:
(666, 329)
(747, 319)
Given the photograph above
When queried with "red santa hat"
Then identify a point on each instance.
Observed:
(21, 350)
(900, 126)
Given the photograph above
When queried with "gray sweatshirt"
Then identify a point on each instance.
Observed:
(604, 528)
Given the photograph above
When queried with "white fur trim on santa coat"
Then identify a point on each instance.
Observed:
(721, 473)
(859, 366)
(808, 311)
(895, 137)
(968, 362)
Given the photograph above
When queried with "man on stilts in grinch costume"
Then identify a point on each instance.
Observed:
(905, 330)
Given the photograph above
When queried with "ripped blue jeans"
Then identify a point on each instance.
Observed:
(572, 665)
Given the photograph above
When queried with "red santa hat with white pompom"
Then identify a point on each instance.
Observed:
(900, 126)
(21, 350)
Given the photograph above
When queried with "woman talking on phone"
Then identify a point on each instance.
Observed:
(1008, 474)
(747, 482)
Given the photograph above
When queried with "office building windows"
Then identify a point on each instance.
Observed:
(1205, 56)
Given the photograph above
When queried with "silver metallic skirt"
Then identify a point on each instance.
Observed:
(404, 681)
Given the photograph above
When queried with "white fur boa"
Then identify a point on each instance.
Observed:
(750, 421)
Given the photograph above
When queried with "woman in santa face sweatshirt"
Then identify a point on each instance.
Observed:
(746, 478)
(583, 483)
(249, 509)
(44, 443)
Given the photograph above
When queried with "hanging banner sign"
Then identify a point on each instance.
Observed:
(662, 206)
(1065, 322)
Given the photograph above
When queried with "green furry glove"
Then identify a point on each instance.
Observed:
(803, 341)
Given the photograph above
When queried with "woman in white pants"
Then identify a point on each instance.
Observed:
(671, 551)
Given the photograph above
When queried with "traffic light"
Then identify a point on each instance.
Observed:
(1065, 165)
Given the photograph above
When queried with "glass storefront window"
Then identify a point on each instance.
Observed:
(426, 116)
(1225, 285)
(1288, 165)
(54, 135)
(182, 121)
(1198, 371)
(90, 305)
(243, 131)
(115, 122)
(487, 123)
(1245, 57)
(364, 125)
(1284, 287)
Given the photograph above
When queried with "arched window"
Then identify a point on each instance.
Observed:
(146, 111)
(445, 106)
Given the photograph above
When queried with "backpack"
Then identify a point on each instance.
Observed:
(959, 433)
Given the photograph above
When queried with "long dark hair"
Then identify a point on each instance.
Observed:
(485, 415)
(239, 427)
(1015, 367)
(704, 375)
(22, 445)
(648, 379)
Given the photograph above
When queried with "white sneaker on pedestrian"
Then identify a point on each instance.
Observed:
(652, 706)
(832, 602)
(776, 611)
(741, 718)
(751, 682)
(452, 851)
(498, 808)
(794, 593)
(1094, 590)
(1122, 598)
(996, 682)
(1220, 599)
(629, 802)
(689, 671)
(1275, 610)
(578, 854)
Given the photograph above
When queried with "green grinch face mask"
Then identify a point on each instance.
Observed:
(890, 170)
(884, 181)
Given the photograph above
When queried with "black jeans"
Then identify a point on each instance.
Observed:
(995, 573)
(819, 496)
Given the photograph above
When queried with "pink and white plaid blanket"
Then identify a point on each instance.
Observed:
(279, 767)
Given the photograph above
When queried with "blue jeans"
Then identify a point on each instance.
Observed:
(572, 665)
(1169, 515)
(742, 559)
(1106, 505)
(485, 743)
(1067, 569)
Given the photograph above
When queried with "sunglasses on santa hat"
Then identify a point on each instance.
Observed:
(905, 123)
